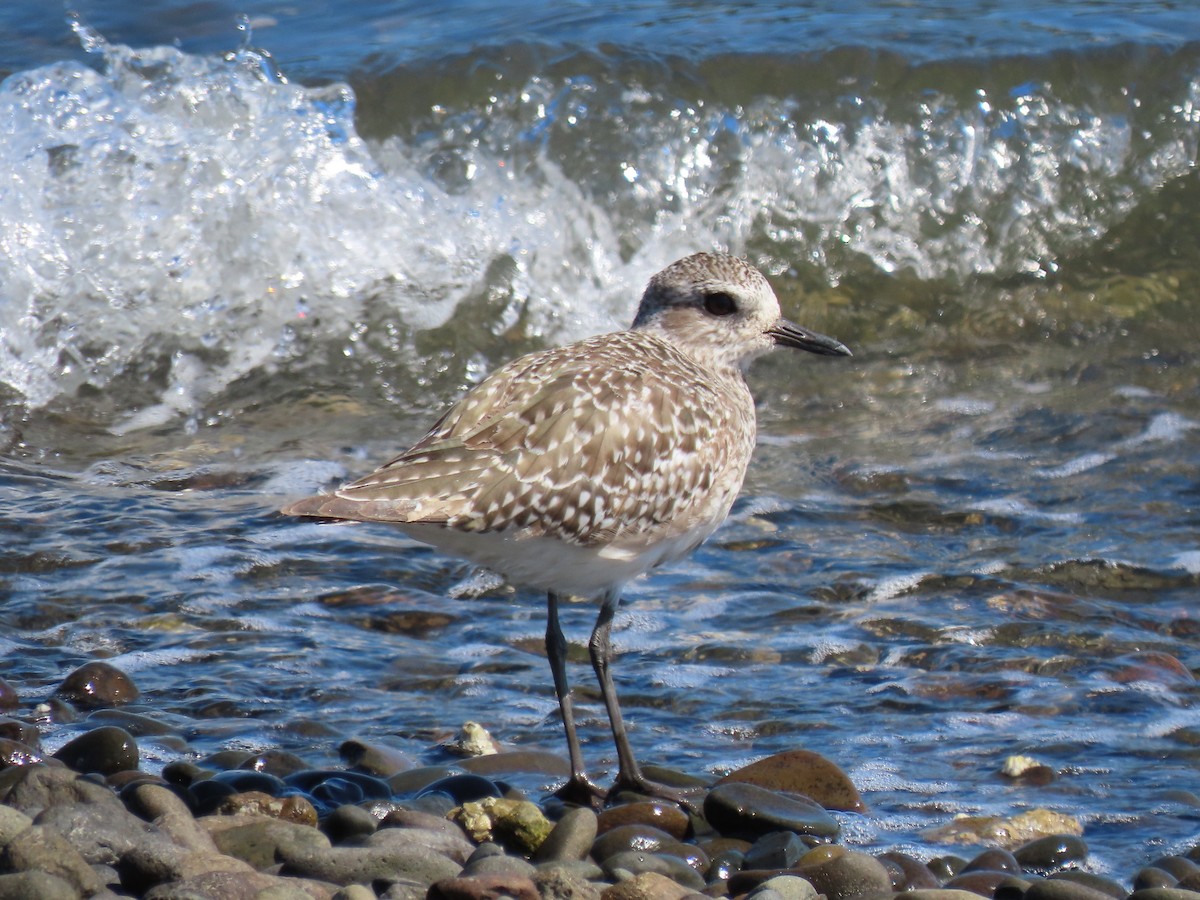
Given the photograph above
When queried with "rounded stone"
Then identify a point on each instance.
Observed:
(646, 886)
(1051, 852)
(994, 859)
(256, 840)
(748, 811)
(1060, 889)
(485, 887)
(788, 887)
(979, 881)
(1179, 866)
(17, 753)
(664, 816)
(633, 862)
(916, 874)
(22, 732)
(373, 759)
(1153, 877)
(848, 874)
(8, 696)
(348, 822)
(1094, 881)
(644, 838)
(97, 684)
(570, 839)
(106, 750)
(778, 850)
(538, 762)
(802, 772)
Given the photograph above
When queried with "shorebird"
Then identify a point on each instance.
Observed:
(573, 470)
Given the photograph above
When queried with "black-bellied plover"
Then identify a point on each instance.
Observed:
(575, 469)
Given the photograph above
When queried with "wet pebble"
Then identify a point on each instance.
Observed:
(97, 684)
(802, 772)
(629, 837)
(779, 850)
(1051, 852)
(748, 811)
(622, 865)
(8, 697)
(106, 750)
(571, 838)
(664, 816)
(17, 753)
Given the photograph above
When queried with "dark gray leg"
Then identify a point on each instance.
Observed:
(578, 788)
(629, 774)
(600, 648)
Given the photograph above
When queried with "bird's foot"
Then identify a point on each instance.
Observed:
(581, 790)
(690, 797)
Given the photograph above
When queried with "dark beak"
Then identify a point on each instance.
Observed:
(788, 335)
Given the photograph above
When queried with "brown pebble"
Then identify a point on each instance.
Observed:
(664, 816)
(802, 772)
(294, 808)
(485, 887)
(646, 886)
(97, 684)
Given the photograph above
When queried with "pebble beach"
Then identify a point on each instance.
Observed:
(88, 822)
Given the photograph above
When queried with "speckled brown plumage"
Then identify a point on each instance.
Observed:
(575, 469)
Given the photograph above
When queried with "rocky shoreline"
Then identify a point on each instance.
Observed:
(88, 822)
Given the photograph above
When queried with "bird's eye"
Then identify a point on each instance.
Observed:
(719, 303)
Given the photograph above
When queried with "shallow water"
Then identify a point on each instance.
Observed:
(221, 289)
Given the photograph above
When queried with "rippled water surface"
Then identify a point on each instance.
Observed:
(228, 280)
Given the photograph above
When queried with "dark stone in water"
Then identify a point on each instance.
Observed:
(780, 850)
(1093, 881)
(993, 860)
(665, 816)
(749, 811)
(308, 780)
(97, 684)
(372, 759)
(335, 792)
(979, 881)
(242, 781)
(205, 796)
(916, 874)
(643, 838)
(275, 762)
(463, 788)
(21, 732)
(8, 696)
(1051, 852)
(16, 753)
(106, 750)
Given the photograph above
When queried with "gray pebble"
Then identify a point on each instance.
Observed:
(452, 844)
(780, 850)
(787, 887)
(257, 840)
(635, 862)
(347, 865)
(36, 886)
(571, 837)
(31, 789)
(498, 865)
(101, 834)
(39, 848)
(12, 823)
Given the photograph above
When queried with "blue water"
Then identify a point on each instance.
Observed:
(244, 259)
